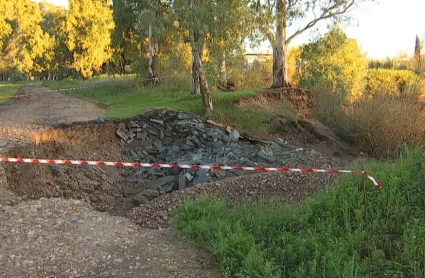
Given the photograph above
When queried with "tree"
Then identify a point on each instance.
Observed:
(205, 19)
(333, 62)
(89, 26)
(5, 28)
(126, 42)
(281, 14)
(57, 56)
(22, 39)
(155, 19)
(418, 52)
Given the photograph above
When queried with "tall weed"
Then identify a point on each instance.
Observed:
(325, 236)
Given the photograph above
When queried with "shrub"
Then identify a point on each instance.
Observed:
(325, 235)
(379, 125)
(393, 82)
(335, 62)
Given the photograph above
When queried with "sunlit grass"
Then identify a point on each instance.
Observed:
(127, 98)
(9, 89)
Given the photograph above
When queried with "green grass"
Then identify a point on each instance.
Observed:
(325, 235)
(9, 89)
(127, 98)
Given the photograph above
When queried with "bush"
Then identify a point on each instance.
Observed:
(325, 235)
(335, 62)
(393, 82)
(380, 120)
(381, 124)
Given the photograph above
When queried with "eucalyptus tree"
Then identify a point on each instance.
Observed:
(21, 38)
(89, 26)
(206, 19)
(275, 17)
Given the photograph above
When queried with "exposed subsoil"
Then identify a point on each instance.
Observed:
(297, 124)
(87, 227)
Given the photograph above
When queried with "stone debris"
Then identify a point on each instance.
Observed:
(179, 138)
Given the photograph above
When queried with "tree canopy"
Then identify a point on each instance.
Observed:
(89, 25)
(333, 62)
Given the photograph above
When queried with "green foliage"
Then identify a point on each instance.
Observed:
(334, 62)
(391, 82)
(89, 25)
(325, 235)
(22, 39)
(57, 56)
(9, 89)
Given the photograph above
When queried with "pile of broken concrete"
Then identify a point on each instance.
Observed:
(180, 138)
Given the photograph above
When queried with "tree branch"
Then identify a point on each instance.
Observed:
(326, 14)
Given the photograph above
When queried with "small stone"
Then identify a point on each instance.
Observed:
(153, 132)
(159, 182)
(158, 145)
(219, 174)
(141, 136)
(100, 119)
(135, 129)
(182, 116)
(74, 220)
(161, 122)
(150, 193)
(118, 261)
(182, 181)
(234, 135)
(140, 199)
(261, 154)
(121, 134)
(189, 177)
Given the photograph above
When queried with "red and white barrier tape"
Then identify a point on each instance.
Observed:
(17, 96)
(89, 87)
(157, 165)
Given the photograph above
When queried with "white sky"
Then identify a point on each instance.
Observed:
(382, 28)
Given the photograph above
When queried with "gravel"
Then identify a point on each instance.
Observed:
(67, 238)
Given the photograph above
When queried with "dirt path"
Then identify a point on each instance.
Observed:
(21, 117)
(68, 238)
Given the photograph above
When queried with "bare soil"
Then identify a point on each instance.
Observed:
(67, 235)
(296, 123)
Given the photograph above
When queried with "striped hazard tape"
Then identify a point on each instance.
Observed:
(158, 165)
(17, 96)
(93, 86)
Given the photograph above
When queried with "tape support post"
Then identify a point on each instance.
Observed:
(158, 165)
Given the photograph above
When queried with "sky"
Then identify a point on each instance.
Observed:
(383, 28)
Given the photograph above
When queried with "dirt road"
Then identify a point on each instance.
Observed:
(68, 238)
(21, 117)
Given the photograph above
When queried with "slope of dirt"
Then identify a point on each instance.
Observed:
(300, 99)
(296, 122)
(99, 186)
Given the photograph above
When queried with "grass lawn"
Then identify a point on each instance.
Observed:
(9, 89)
(127, 98)
(325, 236)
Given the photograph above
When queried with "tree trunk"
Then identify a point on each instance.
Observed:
(222, 71)
(199, 78)
(153, 59)
(280, 50)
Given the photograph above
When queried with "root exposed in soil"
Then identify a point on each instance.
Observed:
(301, 100)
